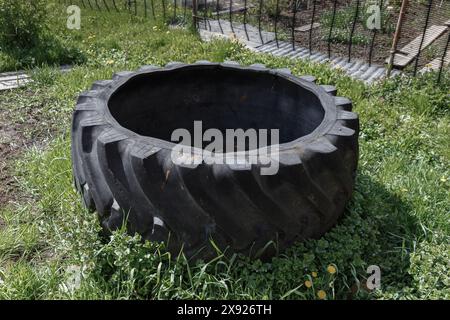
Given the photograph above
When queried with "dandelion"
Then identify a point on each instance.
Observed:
(321, 294)
(308, 284)
(331, 269)
(314, 274)
(110, 62)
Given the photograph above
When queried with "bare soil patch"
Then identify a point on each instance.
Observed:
(19, 129)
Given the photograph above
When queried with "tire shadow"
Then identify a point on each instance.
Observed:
(392, 227)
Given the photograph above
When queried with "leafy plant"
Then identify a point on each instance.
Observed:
(22, 23)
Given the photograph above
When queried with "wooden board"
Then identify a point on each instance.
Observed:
(436, 63)
(307, 27)
(234, 9)
(405, 55)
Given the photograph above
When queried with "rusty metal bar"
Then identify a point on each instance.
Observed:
(397, 34)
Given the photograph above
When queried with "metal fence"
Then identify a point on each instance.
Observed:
(415, 39)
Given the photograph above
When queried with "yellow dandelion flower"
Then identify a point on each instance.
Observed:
(321, 294)
(308, 284)
(314, 274)
(331, 269)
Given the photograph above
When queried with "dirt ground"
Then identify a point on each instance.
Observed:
(19, 130)
(11, 141)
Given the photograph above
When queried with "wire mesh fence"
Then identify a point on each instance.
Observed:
(364, 30)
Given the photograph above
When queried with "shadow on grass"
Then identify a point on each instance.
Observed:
(392, 228)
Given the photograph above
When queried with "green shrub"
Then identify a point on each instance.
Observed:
(22, 22)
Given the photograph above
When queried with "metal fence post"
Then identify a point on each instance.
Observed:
(152, 4)
(441, 67)
(259, 20)
(425, 27)
(355, 19)
(277, 9)
(294, 14)
(230, 14)
(330, 33)
(115, 6)
(245, 19)
(311, 26)
(194, 13)
(106, 5)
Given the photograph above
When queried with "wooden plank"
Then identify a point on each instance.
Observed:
(431, 34)
(307, 27)
(237, 8)
(436, 63)
(407, 54)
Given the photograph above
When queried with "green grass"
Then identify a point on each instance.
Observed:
(398, 219)
(32, 34)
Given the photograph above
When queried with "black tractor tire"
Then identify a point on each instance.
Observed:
(129, 178)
